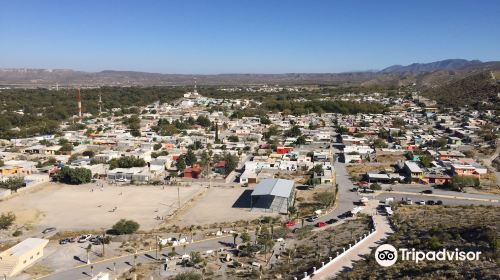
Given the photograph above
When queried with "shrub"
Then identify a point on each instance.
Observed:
(6, 220)
(125, 227)
(17, 233)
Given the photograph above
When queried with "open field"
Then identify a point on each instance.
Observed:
(78, 207)
(219, 204)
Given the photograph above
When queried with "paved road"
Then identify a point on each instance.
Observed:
(126, 262)
(365, 247)
(436, 191)
(345, 199)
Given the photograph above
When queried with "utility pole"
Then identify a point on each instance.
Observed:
(103, 240)
(100, 104)
(178, 198)
(79, 102)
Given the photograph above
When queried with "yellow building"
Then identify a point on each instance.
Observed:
(22, 255)
(11, 170)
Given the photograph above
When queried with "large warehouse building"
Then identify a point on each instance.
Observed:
(273, 195)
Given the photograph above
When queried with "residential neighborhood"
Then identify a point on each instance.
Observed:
(195, 162)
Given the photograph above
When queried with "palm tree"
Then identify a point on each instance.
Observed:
(160, 248)
(88, 249)
(235, 235)
(191, 228)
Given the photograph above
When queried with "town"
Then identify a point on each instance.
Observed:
(235, 187)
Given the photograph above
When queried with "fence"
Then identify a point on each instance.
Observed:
(332, 260)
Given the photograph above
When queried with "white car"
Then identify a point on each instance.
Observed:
(421, 202)
(84, 238)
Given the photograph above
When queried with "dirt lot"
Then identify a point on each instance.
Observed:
(87, 207)
(218, 205)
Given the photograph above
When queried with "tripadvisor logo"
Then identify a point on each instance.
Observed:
(387, 255)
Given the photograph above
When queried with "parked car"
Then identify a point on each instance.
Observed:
(421, 202)
(47, 230)
(64, 241)
(409, 201)
(354, 189)
(331, 221)
(320, 224)
(345, 215)
(430, 202)
(426, 191)
(312, 218)
(84, 238)
(290, 224)
(439, 202)
(73, 239)
(367, 190)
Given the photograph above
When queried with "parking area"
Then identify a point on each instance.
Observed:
(88, 207)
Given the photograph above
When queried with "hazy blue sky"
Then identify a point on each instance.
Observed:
(212, 36)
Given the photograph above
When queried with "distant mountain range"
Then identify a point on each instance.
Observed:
(448, 64)
(422, 74)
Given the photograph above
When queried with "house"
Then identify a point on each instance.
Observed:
(454, 141)
(42, 150)
(464, 170)
(450, 155)
(283, 150)
(413, 171)
(20, 256)
(136, 174)
(248, 177)
(192, 172)
(220, 167)
(7, 170)
(327, 177)
(436, 178)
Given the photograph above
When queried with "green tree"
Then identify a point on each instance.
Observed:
(293, 132)
(73, 176)
(426, 160)
(190, 158)
(301, 140)
(89, 154)
(180, 163)
(245, 237)
(465, 181)
(379, 143)
(124, 226)
(126, 162)
(233, 138)
(235, 235)
(157, 146)
(13, 183)
(231, 162)
(203, 121)
(317, 169)
(66, 147)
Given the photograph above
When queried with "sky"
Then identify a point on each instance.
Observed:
(244, 36)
